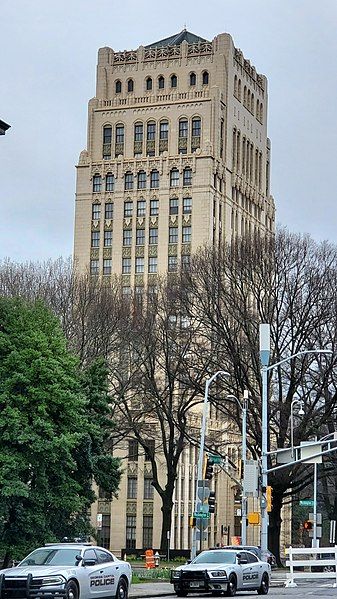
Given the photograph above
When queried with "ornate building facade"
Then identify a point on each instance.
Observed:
(177, 156)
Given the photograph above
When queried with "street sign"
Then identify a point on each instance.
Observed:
(201, 515)
(251, 478)
(307, 502)
(216, 459)
(254, 518)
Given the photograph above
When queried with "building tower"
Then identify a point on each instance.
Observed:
(177, 156)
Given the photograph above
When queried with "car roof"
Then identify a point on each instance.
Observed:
(79, 546)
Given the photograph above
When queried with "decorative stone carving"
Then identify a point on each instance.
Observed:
(139, 279)
(140, 220)
(173, 218)
(104, 506)
(186, 249)
(163, 145)
(154, 219)
(95, 225)
(140, 251)
(108, 224)
(127, 224)
(148, 507)
(107, 253)
(173, 249)
(126, 253)
(132, 467)
(187, 218)
(131, 508)
(138, 147)
(126, 280)
(119, 149)
(153, 251)
(94, 253)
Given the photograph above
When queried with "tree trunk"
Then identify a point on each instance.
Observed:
(5, 563)
(167, 508)
(274, 528)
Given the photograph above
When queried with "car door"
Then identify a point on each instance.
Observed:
(111, 570)
(245, 569)
(256, 569)
(97, 580)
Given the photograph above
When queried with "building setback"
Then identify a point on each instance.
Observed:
(177, 156)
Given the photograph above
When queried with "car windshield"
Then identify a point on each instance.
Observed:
(215, 557)
(52, 557)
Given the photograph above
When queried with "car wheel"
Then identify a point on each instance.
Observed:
(122, 589)
(71, 590)
(231, 587)
(181, 593)
(264, 586)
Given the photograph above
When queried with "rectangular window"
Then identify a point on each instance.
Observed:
(133, 450)
(174, 206)
(151, 131)
(163, 130)
(185, 262)
(172, 263)
(173, 234)
(127, 237)
(120, 134)
(128, 181)
(130, 542)
(126, 291)
(141, 208)
(107, 135)
(153, 264)
(126, 266)
(183, 128)
(139, 132)
(107, 238)
(148, 488)
(109, 182)
(107, 267)
(109, 210)
(132, 487)
(140, 236)
(96, 183)
(187, 234)
(150, 449)
(196, 128)
(141, 180)
(139, 266)
(94, 267)
(174, 177)
(187, 177)
(154, 180)
(94, 239)
(96, 211)
(154, 207)
(187, 205)
(127, 209)
(147, 531)
(153, 236)
(103, 535)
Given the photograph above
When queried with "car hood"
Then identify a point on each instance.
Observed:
(37, 571)
(205, 567)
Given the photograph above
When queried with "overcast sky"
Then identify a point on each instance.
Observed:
(48, 53)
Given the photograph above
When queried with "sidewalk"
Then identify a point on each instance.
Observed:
(164, 589)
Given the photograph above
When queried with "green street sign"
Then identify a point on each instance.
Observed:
(201, 515)
(216, 459)
(307, 502)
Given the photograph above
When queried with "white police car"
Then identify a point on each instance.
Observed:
(67, 571)
(222, 570)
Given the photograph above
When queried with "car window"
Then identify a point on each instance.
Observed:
(215, 557)
(242, 555)
(104, 556)
(90, 554)
(251, 557)
(52, 557)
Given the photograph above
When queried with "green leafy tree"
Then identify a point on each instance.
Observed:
(53, 428)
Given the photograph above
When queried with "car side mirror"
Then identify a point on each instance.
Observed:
(89, 562)
(188, 561)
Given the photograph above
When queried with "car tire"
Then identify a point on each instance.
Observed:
(231, 587)
(71, 590)
(181, 593)
(122, 589)
(264, 586)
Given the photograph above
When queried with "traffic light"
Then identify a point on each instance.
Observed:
(193, 521)
(308, 524)
(209, 469)
(211, 502)
(269, 498)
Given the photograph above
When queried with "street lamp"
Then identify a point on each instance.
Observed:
(264, 358)
(209, 381)
(243, 407)
(300, 413)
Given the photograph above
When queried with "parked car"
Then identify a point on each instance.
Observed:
(222, 570)
(67, 571)
(266, 556)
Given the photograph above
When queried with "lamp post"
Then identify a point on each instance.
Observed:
(264, 358)
(243, 407)
(209, 381)
(300, 413)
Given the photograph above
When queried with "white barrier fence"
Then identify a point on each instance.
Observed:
(322, 558)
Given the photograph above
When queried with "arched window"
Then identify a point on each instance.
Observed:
(248, 99)
(174, 81)
(96, 183)
(148, 84)
(257, 109)
(193, 79)
(107, 137)
(252, 104)
(139, 131)
(235, 85)
(109, 182)
(118, 86)
(196, 127)
(141, 180)
(174, 177)
(154, 179)
(151, 131)
(163, 130)
(128, 180)
(161, 82)
(245, 96)
(187, 176)
(119, 134)
(239, 90)
(130, 85)
(183, 128)
(205, 78)
(261, 112)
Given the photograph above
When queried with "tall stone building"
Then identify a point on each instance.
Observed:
(177, 156)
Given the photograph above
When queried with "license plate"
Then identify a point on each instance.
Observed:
(196, 585)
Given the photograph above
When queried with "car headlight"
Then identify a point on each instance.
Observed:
(218, 573)
(176, 574)
(52, 580)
